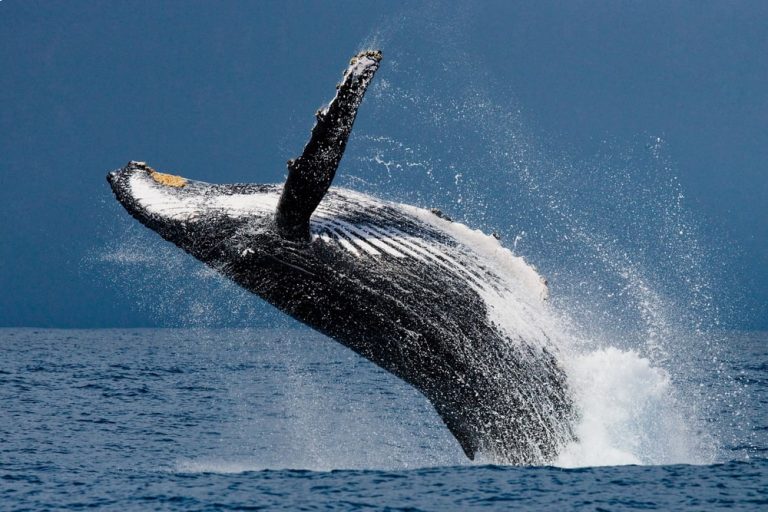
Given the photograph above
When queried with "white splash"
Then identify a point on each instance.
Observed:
(627, 409)
(628, 413)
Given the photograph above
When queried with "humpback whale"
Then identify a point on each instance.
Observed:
(421, 296)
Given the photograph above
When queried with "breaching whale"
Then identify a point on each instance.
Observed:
(421, 296)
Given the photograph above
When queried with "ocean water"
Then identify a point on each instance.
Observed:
(248, 419)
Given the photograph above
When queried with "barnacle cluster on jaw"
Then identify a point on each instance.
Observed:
(162, 178)
(169, 180)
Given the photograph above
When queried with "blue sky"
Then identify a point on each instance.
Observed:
(646, 123)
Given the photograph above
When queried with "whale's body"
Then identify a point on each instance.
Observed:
(415, 293)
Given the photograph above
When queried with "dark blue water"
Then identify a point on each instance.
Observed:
(270, 419)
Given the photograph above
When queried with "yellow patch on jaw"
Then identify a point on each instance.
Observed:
(168, 179)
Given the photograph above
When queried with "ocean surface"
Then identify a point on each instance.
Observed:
(250, 419)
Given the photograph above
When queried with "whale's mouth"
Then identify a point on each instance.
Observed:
(119, 181)
(155, 197)
(150, 195)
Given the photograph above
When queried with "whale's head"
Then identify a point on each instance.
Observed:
(194, 215)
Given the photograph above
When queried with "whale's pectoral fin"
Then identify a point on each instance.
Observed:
(310, 175)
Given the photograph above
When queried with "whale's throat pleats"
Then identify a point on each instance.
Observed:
(310, 175)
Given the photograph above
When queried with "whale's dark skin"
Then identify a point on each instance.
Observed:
(393, 283)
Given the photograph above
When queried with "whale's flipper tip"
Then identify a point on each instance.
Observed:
(310, 175)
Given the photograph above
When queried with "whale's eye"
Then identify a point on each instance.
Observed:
(168, 179)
